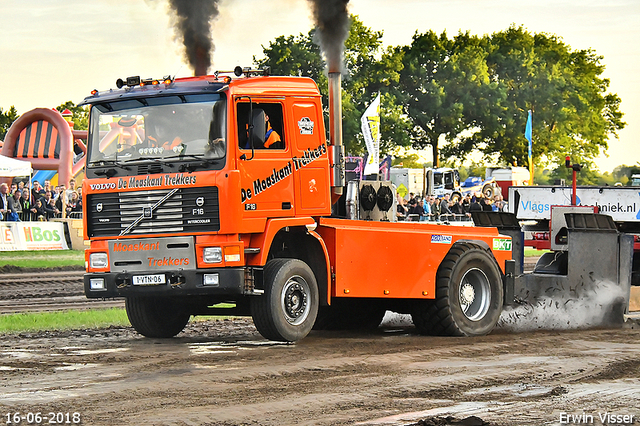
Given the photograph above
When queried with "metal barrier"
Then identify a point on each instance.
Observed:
(447, 218)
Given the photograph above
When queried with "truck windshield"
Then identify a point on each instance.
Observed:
(166, 128)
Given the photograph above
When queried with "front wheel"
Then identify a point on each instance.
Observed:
(468, 295)
(155, 316)
(288, 308)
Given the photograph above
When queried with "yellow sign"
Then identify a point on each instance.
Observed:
(402, 190)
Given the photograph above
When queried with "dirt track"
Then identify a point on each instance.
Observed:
(224, 373)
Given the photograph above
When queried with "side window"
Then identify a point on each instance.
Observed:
(268, 124)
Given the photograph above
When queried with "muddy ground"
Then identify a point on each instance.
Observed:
(225, 373)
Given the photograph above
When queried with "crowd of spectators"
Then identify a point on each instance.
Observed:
(431, 208)
(22, 202)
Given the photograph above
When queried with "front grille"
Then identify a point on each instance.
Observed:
(188, 210)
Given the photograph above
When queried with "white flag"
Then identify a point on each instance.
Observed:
(371, 132)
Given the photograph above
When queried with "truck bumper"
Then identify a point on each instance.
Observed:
(230, 281)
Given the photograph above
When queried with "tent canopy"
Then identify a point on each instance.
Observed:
(11, 167)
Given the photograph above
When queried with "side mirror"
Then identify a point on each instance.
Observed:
(258, 128)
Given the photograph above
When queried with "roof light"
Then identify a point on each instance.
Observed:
(94, 92)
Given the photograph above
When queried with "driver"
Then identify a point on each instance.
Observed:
(160, 132)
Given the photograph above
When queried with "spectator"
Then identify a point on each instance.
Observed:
(475, 205)
(466, 202)
(48, 204)
(458, 208)
(72, 188)
(36, 192)
(72, 205)
(52, 211)
(435, 209)
(7, 207)
(485, 204)
(444, 208)
(39, 213)
(426, 206)
(78, 207)
(401, 210)
(17, 196)
(25, 203)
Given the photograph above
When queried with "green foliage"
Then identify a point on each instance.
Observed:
(368, 69)
(408, 161)
(623, 173)
(475, 169)
(6, 120)
(572, 113)
(471, 92)
(80, 116)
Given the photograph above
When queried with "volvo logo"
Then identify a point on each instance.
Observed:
(200, 201)
(99, 207)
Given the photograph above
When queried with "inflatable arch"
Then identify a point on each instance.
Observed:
(43, 137)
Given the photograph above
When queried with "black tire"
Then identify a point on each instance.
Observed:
(347, 314)
(469, 295)
(156, 317)
(488, 191)
(288, 308)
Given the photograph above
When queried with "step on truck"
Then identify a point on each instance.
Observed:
(194, 207)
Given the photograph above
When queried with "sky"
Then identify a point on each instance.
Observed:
(55, 51)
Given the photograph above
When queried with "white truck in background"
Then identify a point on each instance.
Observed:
(438, 182)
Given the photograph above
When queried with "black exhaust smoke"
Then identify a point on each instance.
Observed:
(332, 23)
(332, 28)
(192, 21)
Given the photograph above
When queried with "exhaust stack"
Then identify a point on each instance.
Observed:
(336, 148)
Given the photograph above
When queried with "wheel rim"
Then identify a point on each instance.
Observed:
(475, 294)
(295, 300)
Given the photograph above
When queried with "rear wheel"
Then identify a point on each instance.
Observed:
(156, 317)
(468, 295)
(288, 308)
(488, 191)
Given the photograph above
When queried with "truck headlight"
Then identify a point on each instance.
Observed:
(98, 260)
(212, 255)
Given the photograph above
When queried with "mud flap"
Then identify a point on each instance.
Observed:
(509, 282)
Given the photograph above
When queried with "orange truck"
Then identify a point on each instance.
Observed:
(188, 213)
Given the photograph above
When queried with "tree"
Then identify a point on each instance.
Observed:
(368, 69)
(572, 113)
(80, 116)
(6, 120)
(443, 85)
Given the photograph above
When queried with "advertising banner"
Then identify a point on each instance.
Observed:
(32, 236)
(371, 131)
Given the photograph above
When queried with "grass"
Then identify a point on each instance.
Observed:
(42, 258)
(531, 252)
(63, 320)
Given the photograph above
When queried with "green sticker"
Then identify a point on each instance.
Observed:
(501, 244)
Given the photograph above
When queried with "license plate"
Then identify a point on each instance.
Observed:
(148, 279)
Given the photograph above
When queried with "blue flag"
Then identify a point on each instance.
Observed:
(528, 133)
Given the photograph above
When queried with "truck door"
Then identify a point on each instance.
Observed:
(265, 162)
